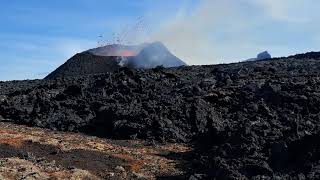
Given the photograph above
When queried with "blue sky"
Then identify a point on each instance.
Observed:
(37, 36)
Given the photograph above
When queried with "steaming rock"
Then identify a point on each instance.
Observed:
(112, 57)
(261, 56)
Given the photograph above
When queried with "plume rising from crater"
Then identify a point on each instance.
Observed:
(112, 57)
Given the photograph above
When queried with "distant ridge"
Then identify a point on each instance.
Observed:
(308, 55)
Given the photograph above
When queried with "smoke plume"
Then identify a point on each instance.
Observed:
(189, 36)
(227, 31)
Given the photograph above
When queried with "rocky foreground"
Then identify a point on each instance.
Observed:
(34, 153)
(250, 120)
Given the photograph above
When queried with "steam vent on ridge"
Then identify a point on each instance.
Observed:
(112, 57)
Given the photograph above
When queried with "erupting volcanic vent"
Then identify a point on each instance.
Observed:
(117, 50)
(111, 57)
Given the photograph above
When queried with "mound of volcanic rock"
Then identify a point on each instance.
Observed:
(249, 120)
(84, 64)
(112, 57)
(261, 56)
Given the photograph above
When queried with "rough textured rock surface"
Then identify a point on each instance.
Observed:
(250, 120)
(40, 154)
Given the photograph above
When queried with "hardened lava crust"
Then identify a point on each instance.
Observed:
(248, 120)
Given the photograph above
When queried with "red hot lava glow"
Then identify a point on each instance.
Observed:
(127, 53)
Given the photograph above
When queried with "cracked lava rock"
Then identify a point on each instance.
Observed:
(249, 120)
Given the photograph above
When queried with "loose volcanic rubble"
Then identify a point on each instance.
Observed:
(249, 120)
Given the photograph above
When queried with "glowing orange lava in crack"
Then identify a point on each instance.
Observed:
(127, 53)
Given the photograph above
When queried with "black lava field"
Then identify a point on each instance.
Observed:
(249, 120)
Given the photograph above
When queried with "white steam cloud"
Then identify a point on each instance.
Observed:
(233, 30)
(188, 35)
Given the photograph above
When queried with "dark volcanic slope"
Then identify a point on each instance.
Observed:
(251, 120)
(86, 63)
